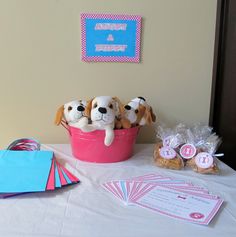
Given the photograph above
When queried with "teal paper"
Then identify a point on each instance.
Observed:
(24, 171)
(124, 190)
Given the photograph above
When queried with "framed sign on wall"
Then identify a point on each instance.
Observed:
(110, 38)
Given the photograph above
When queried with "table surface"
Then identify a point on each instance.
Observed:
(86, 210)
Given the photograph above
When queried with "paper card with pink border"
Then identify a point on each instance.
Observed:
(195, 208)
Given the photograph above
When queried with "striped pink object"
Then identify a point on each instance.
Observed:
(24, 144)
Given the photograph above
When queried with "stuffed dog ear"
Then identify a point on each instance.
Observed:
(149, 116)
(59, 115)
(122, 123)
(125, 123)
(119, 106)
(88, 108)
(141, 114)
(152, 115)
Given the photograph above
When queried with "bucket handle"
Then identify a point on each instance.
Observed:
(65, 125)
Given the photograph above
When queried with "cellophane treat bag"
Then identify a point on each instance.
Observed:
(166, 150)
(199, 149)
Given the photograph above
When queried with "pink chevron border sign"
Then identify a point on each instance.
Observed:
(110, 37)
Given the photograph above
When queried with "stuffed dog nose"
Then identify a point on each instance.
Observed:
(102, 110)
(127, 107)
(80, 108)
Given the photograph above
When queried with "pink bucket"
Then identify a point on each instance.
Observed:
(89, 146)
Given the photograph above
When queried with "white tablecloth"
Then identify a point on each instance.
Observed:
(86, 210)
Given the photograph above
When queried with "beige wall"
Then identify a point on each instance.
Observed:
(40, 66)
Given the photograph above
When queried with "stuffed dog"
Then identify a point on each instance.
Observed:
(138, 112)
(102, 111)
(73, 113)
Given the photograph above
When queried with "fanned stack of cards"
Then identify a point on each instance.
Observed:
(167, 196)
(31, 171)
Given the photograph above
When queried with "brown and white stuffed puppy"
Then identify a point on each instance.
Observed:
(72, 113)
(102, 111)
(138, 112)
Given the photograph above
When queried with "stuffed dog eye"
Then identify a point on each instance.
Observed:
(111, 106)
(136, 111)
(69, 108)
(95, 105)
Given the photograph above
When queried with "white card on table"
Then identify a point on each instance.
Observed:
(199, 209)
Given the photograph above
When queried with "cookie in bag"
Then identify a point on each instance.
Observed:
(203, 163)
(167, 157)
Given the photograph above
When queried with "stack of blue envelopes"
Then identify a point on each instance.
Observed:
(31, 171)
